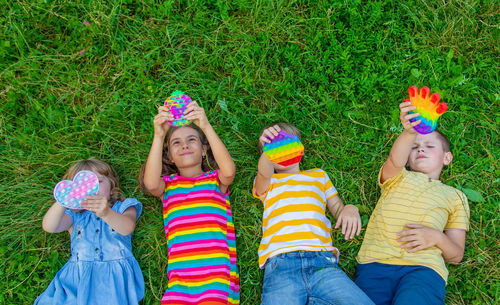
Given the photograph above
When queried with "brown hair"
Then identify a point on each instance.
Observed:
(289, 128)
(444, 141)
(168, 168)
(102, 168)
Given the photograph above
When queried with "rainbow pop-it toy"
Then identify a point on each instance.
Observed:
(177, 103)
(70, 194)
(428, 106)
(285, 149)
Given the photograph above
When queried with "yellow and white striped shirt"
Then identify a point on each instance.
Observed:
(294, 214)
(412, 198)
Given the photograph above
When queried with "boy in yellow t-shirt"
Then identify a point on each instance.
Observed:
(296, 248)
(417, 225)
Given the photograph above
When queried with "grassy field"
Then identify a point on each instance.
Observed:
(81, 79)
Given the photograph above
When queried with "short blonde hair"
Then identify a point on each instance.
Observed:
(288, 128)
(102, 168)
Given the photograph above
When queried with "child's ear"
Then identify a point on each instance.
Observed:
(169, 159)
(448, 157)
(204, 150)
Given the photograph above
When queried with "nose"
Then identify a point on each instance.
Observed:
(420, 148)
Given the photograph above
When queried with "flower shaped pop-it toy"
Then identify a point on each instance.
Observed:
(70, 194)
(177, 103)
(285, 149)
(428, 106)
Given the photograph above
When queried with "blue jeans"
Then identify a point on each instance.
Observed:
(305, 277)
(401, 284)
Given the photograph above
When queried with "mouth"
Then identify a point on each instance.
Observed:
(421, 157)
(186, 153)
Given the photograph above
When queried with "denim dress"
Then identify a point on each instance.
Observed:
(102, 268)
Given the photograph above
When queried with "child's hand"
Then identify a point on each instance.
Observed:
(160, 121)
(350, 220)
(404, 108)
(97, 204)
(269, 134)
(419, 237)
(196, 114)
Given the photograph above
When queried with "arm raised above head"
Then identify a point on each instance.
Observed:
(402, 147)
(153, 168)
(227, 169)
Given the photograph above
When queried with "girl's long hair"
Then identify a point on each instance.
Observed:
(168, 168)
(102, 168)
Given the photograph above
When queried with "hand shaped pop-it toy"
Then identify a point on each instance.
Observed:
(70, 194)
(428, 106)
(285, 149)
(177, 103)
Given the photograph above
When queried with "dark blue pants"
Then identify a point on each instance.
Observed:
(400, 284)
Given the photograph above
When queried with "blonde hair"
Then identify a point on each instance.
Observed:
(102, 168)
(288, 128)
(168, 168)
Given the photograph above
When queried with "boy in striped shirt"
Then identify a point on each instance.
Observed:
(417, 225)
(296, 248)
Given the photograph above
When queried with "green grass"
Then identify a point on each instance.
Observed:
(335, 69)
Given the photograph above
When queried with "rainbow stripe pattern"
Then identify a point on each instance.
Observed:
(177, 103)
(201, 242)
(285, 149)
(428, 106)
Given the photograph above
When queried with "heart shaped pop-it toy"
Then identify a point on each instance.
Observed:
(70, 194)
(285, 149)
(428, 106)
(177, 103)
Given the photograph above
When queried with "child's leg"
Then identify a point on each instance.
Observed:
(328, 284)
(420, 285)
(378, 281)
(283, 281)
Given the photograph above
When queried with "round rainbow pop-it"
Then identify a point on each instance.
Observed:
(428, 106)
(285, 149)
(177, 103)
(70, 194)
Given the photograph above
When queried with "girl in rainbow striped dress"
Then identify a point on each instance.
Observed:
(196, 210)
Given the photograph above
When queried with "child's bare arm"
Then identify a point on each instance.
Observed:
(347, 216)
(227, 169)
(450, 242)
(402, 147)
(121, 223)
(265, 168)
(264, 173)
(55, 220)
(152, 173)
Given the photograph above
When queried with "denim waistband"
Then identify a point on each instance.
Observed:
(306, 254)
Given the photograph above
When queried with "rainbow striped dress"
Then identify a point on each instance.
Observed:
(201, 242)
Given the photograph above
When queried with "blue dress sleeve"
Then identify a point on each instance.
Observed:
(129, 202)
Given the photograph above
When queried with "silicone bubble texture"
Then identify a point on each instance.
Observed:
(428, 106)
(177, 103)
(285, 149)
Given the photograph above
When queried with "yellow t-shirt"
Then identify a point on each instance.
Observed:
(412, 198)
(294, 214)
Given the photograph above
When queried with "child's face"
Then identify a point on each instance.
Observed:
(427, 155)
(185, 148)
(104, 185)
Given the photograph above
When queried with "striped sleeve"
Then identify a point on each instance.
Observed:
(262, 196)
(330, 190)
(459, 219)
(391, 181)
